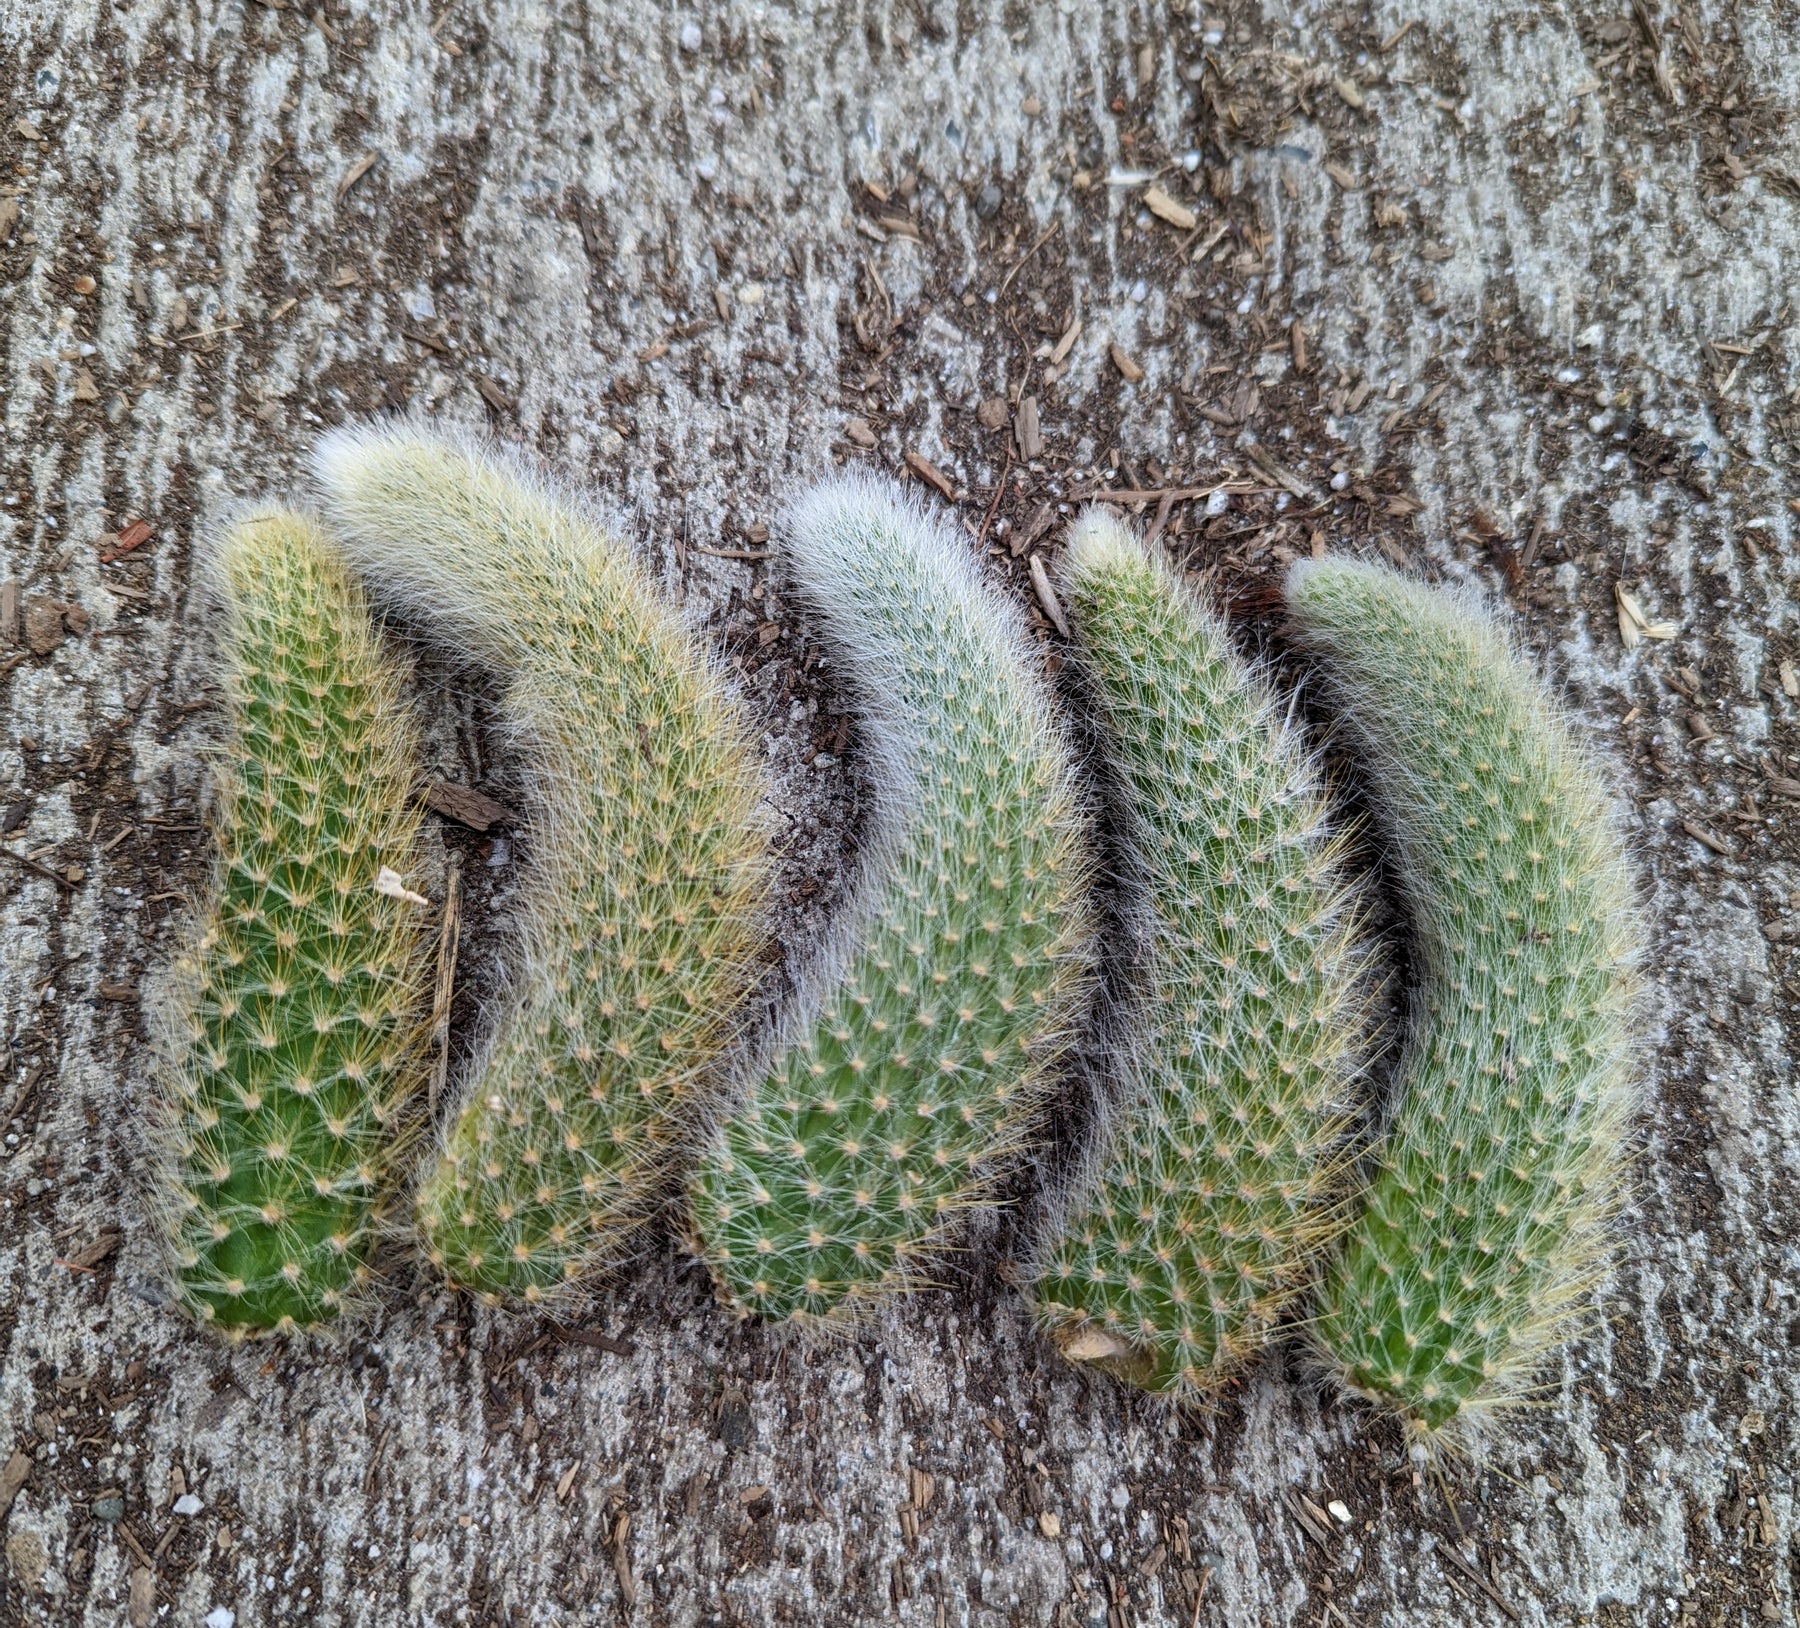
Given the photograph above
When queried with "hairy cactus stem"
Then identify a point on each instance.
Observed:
(638, 931)
(293, 1025)
(1210, 1191)
(1485, 1225)
(916, 1060)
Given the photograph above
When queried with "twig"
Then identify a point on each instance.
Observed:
(999, 492)
(448, 938)
(732, 553)
(39, 870)
(1018, 264)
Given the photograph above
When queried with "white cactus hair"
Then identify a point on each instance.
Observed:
(942, 670)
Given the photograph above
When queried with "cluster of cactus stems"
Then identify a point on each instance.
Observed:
(826, 1166)
(1484, 1226)
(918, 1057)
(294, 1022)
(1212, 1190)
(638, 935)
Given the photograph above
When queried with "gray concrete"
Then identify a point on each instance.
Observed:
(641, 231)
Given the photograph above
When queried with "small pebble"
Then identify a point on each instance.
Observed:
(188, 1504)
(1339, 1510)
(988, 201)
(1217, 503)
(109, 1509)
(1340, 481)
(690, 36)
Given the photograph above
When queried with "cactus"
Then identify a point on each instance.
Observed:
(294, 1021)
(1210, 1193)
(639, 926)
(916, 1059)
(1486, 1222)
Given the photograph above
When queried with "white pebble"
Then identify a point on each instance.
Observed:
(690, 36)
(188, 1504)
(221, 1616)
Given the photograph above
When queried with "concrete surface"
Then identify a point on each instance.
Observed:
(1543, 261)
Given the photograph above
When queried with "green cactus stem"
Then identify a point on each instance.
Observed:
(639, 932)
(916, 1060)
(295, 1018)
(1485, 1225)
(1209, 1194)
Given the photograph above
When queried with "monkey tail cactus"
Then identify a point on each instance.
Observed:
(639, 930)
(295, 1021)
(917, 1059)
(1486, 1222)
(1211, 1191)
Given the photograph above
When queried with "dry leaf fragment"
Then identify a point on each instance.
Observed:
(1165, 207)
(1046, 595)
(357, 171)
(1343, 177)
(85, 388)
(390, 884)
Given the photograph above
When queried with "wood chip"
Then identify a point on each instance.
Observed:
(467, 806)
(356, 172)
(1297, 345)
(1707, 840)
(1699, 728)
(140, 1605)
(932, 476)
(43, 624)
(1066, 343)
(9, 611)
(1343, 177)
(1398, 35)
(1782, 786)
(922, 1485)
(1132, 372)
(91, 1255)
(85, 388)
(991, 414)
(1049, 1523)
(9, 215)
(1351, 92)
(1285, 477)
(1046, 595)
(493, 395)
(566, 1481)
(1166, 207)
(133, 536)
(859, 432)
(1026, 431)
(899, 226)
(12, 1477)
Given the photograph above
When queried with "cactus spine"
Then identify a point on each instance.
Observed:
(1485, 1224)
(295, 1020)
(639, 927)
(1209, 1194)
(913, 1067)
